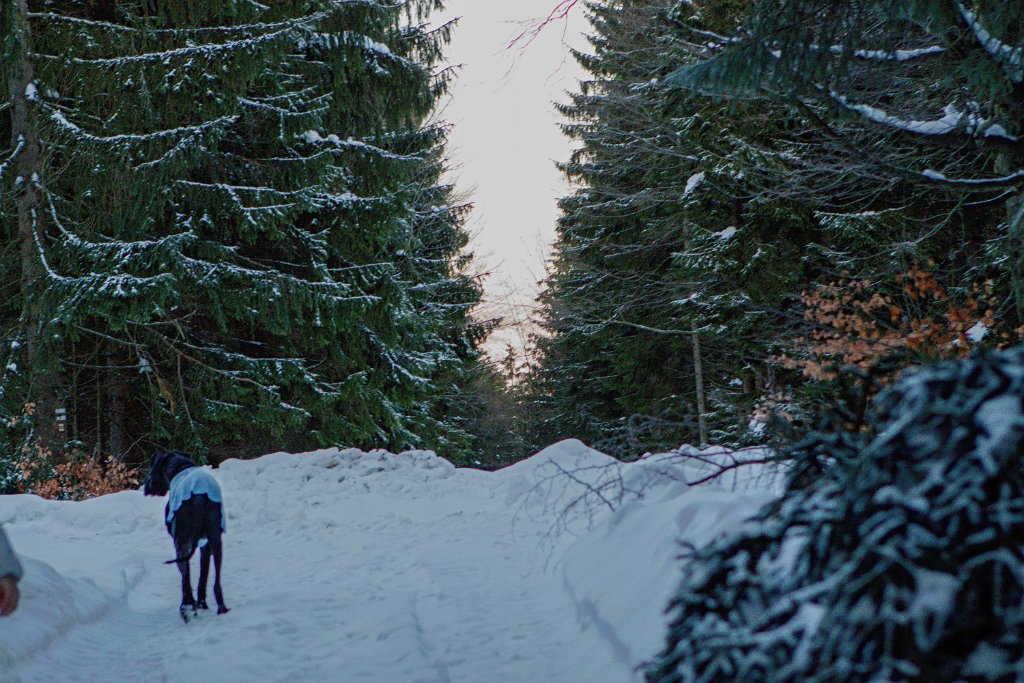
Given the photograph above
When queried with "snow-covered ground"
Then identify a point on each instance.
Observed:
(350, 566)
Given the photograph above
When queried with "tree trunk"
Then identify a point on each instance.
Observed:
(1015, 230)
(698, 375)
(40, 367)
(116, 408)
(1005, 165)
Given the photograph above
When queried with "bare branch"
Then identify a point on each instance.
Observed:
(536, 27)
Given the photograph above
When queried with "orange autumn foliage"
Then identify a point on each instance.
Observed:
(71, 475)
(913, 318)
(78, 478)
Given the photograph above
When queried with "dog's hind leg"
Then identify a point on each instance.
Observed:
(204, 575)
(217, 549)
(188, 603)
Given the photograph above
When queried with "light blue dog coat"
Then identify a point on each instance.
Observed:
(194, 481)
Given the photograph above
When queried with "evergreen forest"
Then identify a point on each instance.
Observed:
(779, 204)
(227, 214)
(224, 226)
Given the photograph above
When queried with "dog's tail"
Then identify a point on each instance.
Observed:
(182, 559)
(189, 549)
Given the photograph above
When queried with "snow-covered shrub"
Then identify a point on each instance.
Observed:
(903, 559)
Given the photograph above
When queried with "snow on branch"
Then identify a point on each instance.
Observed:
(254, 214)
(893, 55)
(198, 129)
(1012, 58)
(41, 251)
(122, 285)
(320, 104)
(863, 54)
(312, 137)
(177, 344)
(233, 189)
(91, 23)
(209, 50)
(118, 284)
(363, 42)
(969, 122)
(112, 250)
(330, 291)
(13, 155)
(1011, 179)
(178, 149)
(718, 40)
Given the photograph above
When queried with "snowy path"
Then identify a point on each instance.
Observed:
(339, 566)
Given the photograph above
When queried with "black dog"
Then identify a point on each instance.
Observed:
(194, 514)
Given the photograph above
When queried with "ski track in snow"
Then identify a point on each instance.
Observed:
(351, 566)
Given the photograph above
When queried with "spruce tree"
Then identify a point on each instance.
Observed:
(663, 305)
(240, 224)
(893, 555)
(604, 306)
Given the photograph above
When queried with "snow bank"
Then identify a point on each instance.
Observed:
(631, 521)
(375, 566)
(51, 605)
(622, 573)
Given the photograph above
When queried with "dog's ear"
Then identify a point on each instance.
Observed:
(156, 483)
(181, 458)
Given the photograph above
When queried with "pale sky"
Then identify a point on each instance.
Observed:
(506, 140)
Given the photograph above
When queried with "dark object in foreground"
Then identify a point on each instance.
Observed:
(900, 559)
(195, 519)
(10, 575)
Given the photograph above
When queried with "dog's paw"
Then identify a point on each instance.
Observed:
(202, 605)
(222, 610)
(187, 612)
